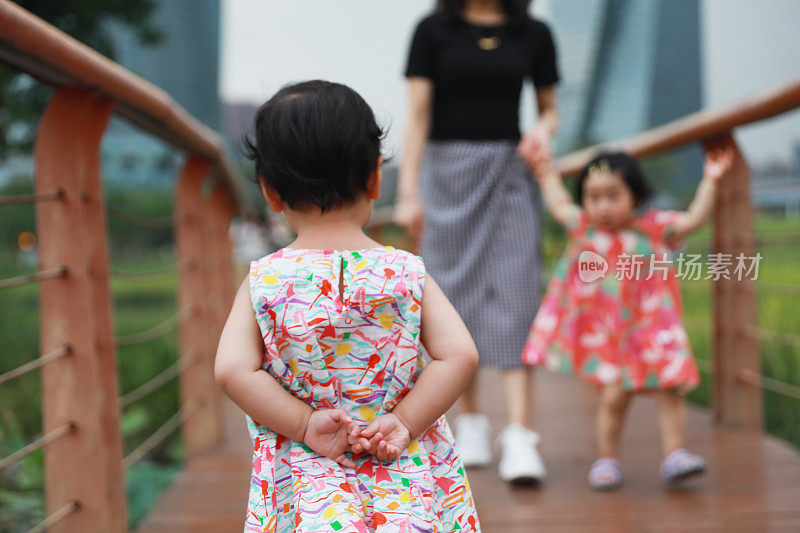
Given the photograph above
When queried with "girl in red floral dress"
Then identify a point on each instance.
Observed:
(612, 311)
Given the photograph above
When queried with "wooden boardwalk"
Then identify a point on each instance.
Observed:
(753, 482)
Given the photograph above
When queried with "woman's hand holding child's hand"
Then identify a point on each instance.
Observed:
(534, 144)
(385, 437)
(327, 433)
(537, 152)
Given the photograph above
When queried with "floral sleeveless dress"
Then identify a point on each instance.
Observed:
(623, 327)
(358, 350)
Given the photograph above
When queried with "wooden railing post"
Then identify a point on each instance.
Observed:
(735, 402)
(86, 465)
(221, 292)
(223, 209)
(202, 430)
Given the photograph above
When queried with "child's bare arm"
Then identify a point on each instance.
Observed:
(556, 198)
(237, 370)
(455, 361)
(718, 162)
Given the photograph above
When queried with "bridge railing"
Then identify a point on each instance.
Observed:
(735, 366)
(81, 404)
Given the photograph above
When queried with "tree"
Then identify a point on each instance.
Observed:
(22, 101)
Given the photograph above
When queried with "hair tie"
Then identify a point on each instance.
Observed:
(600, 166)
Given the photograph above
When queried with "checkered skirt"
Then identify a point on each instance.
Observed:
(481, 240)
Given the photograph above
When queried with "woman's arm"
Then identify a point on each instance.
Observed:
(408, 212)
(237, 371)
(535, 143)
(455, 361)
(719, 160)
(548, 110)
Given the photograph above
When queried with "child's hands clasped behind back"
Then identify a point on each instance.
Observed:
(327, 432)
(333, 433)
(386, 437)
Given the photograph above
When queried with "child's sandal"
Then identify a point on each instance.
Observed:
(680, 464)
(605, 474)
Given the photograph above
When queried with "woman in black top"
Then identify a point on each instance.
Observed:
(465, 191)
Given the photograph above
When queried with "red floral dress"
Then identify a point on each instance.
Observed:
(622, 326)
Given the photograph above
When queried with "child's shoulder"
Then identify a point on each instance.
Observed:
(576, 221)
(659, 225)
(404, 255)
(656, 218)
(298, 257)
(407, 261)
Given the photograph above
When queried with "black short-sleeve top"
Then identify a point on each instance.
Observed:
(477, 91)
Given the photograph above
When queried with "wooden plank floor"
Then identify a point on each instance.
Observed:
(753, 482)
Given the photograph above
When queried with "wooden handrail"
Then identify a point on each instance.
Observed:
(35, 47)
(698, 126)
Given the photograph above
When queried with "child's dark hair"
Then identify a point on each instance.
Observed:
(316, 143)
(624, 165)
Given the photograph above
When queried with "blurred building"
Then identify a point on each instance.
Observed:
(237, 121)
(629, 65)
(185, 65)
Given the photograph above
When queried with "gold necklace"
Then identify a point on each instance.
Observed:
(489, 43)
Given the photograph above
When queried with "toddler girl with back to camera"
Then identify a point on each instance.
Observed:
(322, 348)
(621, 328)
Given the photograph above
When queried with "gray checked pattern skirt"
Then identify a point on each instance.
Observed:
(481, 240)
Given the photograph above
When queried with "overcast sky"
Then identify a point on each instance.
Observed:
(749, 46)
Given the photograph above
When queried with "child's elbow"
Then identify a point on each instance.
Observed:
(469, 360)
(224, 375)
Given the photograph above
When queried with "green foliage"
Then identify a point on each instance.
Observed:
(144, 483)
(128, 240)
(15, 218)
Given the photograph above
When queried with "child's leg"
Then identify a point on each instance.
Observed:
(610, 416)
(678, 463)
(671, 420)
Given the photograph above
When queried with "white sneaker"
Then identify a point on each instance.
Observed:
(472, 439)
(520, 463)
